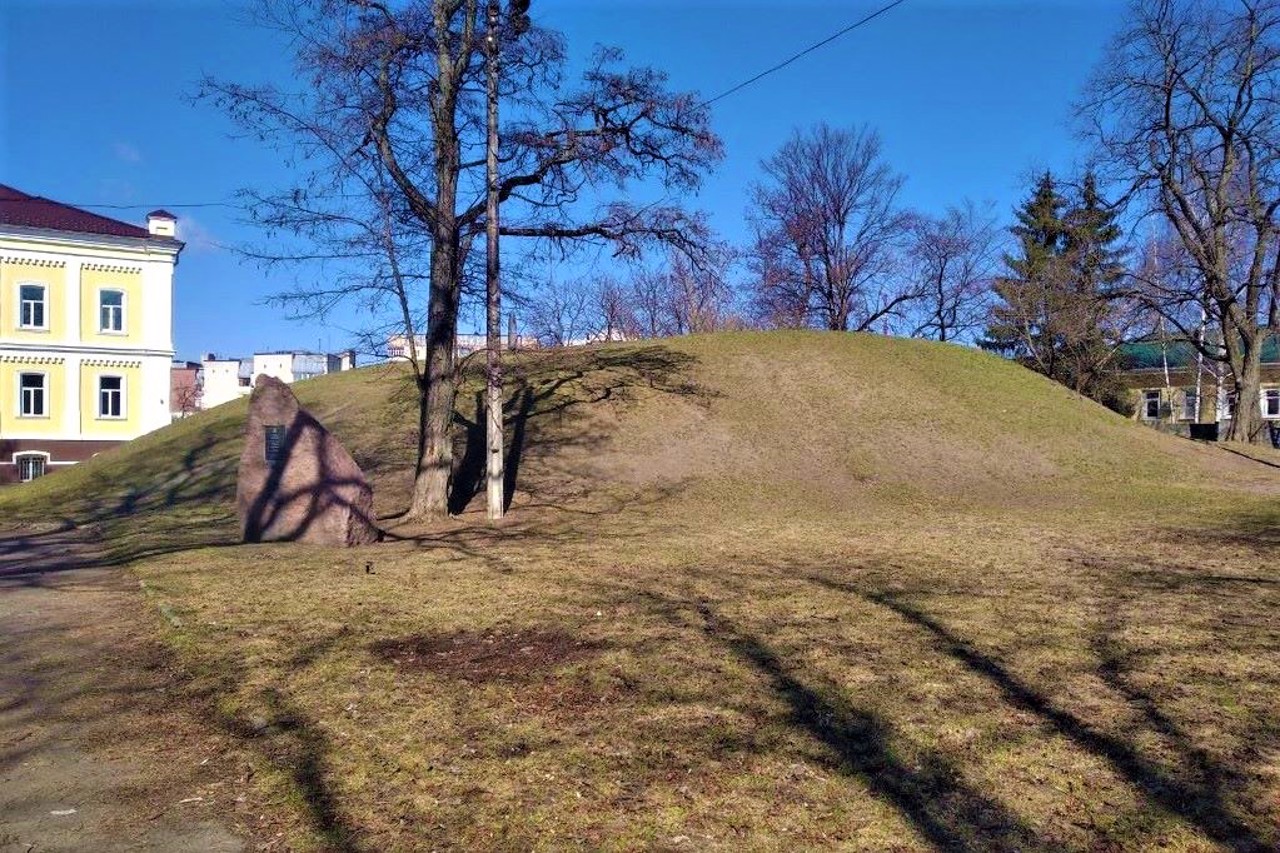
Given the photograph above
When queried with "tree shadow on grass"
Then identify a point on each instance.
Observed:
(1228, 449)
(1197, 797)
(49, 558)
(927, 789)
(125, 515)
(549, 397)
(289, 741)
(112, 522)
(294, 745)
(1257, 529)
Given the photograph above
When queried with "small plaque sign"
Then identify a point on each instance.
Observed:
(274, 443)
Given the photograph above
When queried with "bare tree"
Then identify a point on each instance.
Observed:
(1184, 110)
(826, 230)
(346, 234)
(682, 296)
(563, 311)
(650, 297)
(188, 399)
(403, 83)
(953, 259)
(613, 310)
(701, 294)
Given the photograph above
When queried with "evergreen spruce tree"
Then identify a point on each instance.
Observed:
(1022, 323)
(1097, 267)
(1054, 309)
(1091, 235)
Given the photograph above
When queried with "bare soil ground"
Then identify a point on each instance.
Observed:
(99, 749)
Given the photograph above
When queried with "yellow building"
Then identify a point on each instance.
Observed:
(1175, 390)
(86, 331)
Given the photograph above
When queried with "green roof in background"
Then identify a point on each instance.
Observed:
(1150, 355)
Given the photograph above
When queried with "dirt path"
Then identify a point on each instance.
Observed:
(97, 749)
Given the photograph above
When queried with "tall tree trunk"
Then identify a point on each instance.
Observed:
(838, 317)
(437, 394)
(1247, 370)
(435, 462)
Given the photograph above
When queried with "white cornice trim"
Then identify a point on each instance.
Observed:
(149, 245)
(86, 351)
(111, 362)
(113, 268)
(31, 262)
(31, 358)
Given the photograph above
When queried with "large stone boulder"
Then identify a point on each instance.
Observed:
(297, 482)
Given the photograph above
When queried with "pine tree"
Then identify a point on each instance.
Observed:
(1022, 324)
(1054, 310)
(1097, 266)
(1091, 234)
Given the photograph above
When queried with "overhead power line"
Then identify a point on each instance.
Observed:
(154, 206)
(810, 49)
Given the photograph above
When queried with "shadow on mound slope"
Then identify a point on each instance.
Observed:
(175, 489)
(731, 423)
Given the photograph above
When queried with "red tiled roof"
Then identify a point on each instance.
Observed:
(28, 211)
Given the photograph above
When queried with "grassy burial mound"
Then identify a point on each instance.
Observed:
(729, 426)
(762, 591)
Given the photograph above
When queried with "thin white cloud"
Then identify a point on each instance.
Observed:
(196, 235)
(128, 153)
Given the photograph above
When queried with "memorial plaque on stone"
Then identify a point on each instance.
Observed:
(274, 438)
(297, 482)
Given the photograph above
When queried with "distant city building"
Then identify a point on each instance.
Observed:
(86, 331)
(225, 379)
(398, 345)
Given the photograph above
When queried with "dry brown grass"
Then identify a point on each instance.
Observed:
(733, 610)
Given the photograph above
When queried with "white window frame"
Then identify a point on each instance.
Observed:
(44, 306)
(1147, 400)
(44, 394)
(1190, 412)
(104, 330)
(1269, 394)
(124, 409)
(23, 455)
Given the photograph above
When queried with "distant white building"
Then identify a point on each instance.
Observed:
(398, 345)
(226, 379)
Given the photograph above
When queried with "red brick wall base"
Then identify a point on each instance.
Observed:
(60, 453)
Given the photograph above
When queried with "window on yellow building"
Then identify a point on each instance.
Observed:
(1190, 404)
(1151, 405)
(111, 310)
(31, 395)
(32, 311)
(1271, 403)
(110, 397)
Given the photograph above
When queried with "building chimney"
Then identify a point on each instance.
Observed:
(162, 223)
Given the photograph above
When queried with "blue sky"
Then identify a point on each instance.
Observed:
(969, 98)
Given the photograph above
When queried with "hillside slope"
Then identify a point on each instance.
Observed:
(707, 425)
